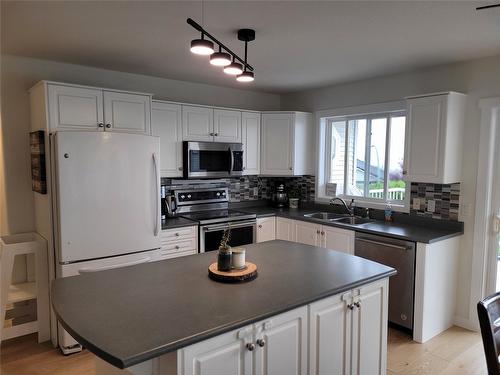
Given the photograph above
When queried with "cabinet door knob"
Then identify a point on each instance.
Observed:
(211, 134)
(250, 346)
(177, 247)
(108, 126)
(216, 134)
(180, 168)
(350, 306)
(357, 304)
(261, 343)
(322, 233)
(101, 125)
(318, 231)
(290, 168)
(405, 172)
(177, 234)
(260, 225)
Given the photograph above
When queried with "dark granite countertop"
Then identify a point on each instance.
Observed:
(129, 315)
(418, 231)
(176, 222)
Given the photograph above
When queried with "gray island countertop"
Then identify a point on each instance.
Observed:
(130, 315)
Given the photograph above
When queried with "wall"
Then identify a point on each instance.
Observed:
(19, 74)
(477, 78)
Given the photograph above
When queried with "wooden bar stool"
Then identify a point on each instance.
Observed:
(36, 286)
(488, 311)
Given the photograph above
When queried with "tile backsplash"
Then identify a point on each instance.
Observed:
(446, 200)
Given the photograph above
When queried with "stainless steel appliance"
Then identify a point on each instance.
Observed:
(398, 254)
(212, 159)
(210, 208)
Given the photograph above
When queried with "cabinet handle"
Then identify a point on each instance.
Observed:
(216, 134)
(405, 172)
(177, 234)
(322, 233)
(212, 134)
(101, 125)
(260, 225)
(180, 168)
(318, 231)
(357, 304)
(177, 247)
(290, 168)
(261, 343)
(350, 306)
(250, 346)
(108, 126)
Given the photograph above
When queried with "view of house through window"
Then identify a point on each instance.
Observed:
(366, 156)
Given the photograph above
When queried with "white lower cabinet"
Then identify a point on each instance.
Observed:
(340, 335)
(348, 332)
(274, 346)
(266, 229)
(285, 229)
(308, 233)
(337, 239)
(179, 242)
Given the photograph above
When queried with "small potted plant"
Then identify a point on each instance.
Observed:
(224, 256)
(293, 199)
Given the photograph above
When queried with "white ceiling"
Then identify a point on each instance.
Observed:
(299, 44)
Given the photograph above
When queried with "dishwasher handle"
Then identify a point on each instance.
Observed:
(385, 244)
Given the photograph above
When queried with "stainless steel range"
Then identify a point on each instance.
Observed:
(210, 208)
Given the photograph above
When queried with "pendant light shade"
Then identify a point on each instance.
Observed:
(246, 76)
(234, 68)
(202, 47)
(220, 59)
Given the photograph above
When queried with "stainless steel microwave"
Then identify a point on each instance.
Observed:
(212, 159)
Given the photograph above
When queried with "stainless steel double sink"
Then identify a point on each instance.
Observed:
(338, 218)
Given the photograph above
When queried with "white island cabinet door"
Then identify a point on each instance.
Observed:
(330, 336)
(338, 239)
(227, 126)
(250, 125)
(127, 113)
(75, 108)
(197, 124)
(281, 344)
(166, 124)
(369, 329)
(225, 354)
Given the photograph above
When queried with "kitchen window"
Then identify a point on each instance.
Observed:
(364, 156)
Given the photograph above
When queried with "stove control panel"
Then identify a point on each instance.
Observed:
(185, 197)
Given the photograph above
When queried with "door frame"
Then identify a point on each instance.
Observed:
(483, 270)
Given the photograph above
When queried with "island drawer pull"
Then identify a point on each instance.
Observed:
(250, 346)
(261, 343)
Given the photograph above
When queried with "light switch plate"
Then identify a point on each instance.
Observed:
(416, 204)
(431, 206)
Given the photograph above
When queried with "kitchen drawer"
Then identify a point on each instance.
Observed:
(179, 246)
(178, 234)
(177, 255)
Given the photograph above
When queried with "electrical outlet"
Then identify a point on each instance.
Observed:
(431, 206)
(416, 204)
(255, 191)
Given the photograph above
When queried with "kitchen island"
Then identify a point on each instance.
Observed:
(310, 309)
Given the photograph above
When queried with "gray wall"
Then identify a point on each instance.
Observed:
(19, 74)
(477, 78)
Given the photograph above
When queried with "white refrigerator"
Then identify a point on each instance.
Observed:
(107, 206)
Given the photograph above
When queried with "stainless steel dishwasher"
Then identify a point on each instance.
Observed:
(398, 254)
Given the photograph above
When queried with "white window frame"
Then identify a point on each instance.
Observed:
(369, 112)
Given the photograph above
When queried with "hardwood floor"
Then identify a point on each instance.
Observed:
(456, 351)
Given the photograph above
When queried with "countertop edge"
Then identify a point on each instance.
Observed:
(134, 360)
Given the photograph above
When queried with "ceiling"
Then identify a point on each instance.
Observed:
(299, 44)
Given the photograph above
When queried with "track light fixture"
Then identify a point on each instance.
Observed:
(232, 63)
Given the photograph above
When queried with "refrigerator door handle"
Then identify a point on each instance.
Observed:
(113, 266)
(157, 202)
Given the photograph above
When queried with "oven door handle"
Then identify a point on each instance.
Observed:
(214, 228)
(232, 160)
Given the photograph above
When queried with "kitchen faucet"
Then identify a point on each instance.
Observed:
(349, 209)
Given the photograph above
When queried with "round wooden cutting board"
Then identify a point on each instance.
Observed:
(248, 273)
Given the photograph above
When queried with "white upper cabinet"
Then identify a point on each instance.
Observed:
(75, 108)
(166, 123)
(434, 130)
(287, 144)
(197, 123)
(128, 113)
(85, 108)
(250, 129)
(227, 126)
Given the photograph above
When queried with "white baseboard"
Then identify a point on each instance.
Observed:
(471, 325)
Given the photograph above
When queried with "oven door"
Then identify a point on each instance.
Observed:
(212, 159)
(242, 233)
